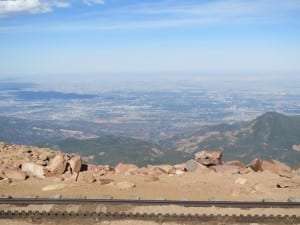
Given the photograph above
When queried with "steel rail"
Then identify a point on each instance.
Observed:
(223, 204)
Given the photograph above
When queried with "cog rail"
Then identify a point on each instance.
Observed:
(222, 204)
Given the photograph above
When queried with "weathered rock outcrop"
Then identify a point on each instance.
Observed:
(209, 158)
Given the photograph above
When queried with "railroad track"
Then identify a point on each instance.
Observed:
(18, 211)
(235, 204)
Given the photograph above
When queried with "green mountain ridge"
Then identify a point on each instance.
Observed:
(111, 149)
(270, 136)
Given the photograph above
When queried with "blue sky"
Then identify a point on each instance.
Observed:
(42, 37)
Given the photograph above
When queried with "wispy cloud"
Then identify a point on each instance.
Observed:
(93, 2)
(157, 14)
(13, 7)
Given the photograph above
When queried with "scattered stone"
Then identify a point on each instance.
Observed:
(151, 179)
(3, 145)
(191, 165)
(277, 167)
(256, 165)
(75, 164)
(296, 148)
(32, 196)
(125, 168)
(33, 170)
(57, 166)
(268, 200)
(125, 185)
(287, 184)
(5, 196)
(106, 197)
(43, 156)
(292, 199)
(179, 172)
(53, 187)
(226, 168)
(168, 169)
(134, 198)
(105, 181)
(15, 174)
(209, 158)
(241, 181)
(81, 197)
(155, 170)
(235, 163)
(89, 177)
(41, 163)
(181, 167)
(55, 196)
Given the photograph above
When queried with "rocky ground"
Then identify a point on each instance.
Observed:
(27, 171)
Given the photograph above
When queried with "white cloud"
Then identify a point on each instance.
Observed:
(12, 7)
(93, 2)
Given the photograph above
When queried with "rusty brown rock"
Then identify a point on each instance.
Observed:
(209, 158)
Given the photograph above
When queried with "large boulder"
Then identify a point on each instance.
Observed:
(209, 158)
(15, 174)
(75, 164)
(126, 169)
(57, 166)
(33, 170)
(277, 167)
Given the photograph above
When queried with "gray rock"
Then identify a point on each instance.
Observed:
(292, 199)
(191, 165)
(160, 199)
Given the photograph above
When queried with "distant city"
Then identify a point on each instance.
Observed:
(155, 113)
